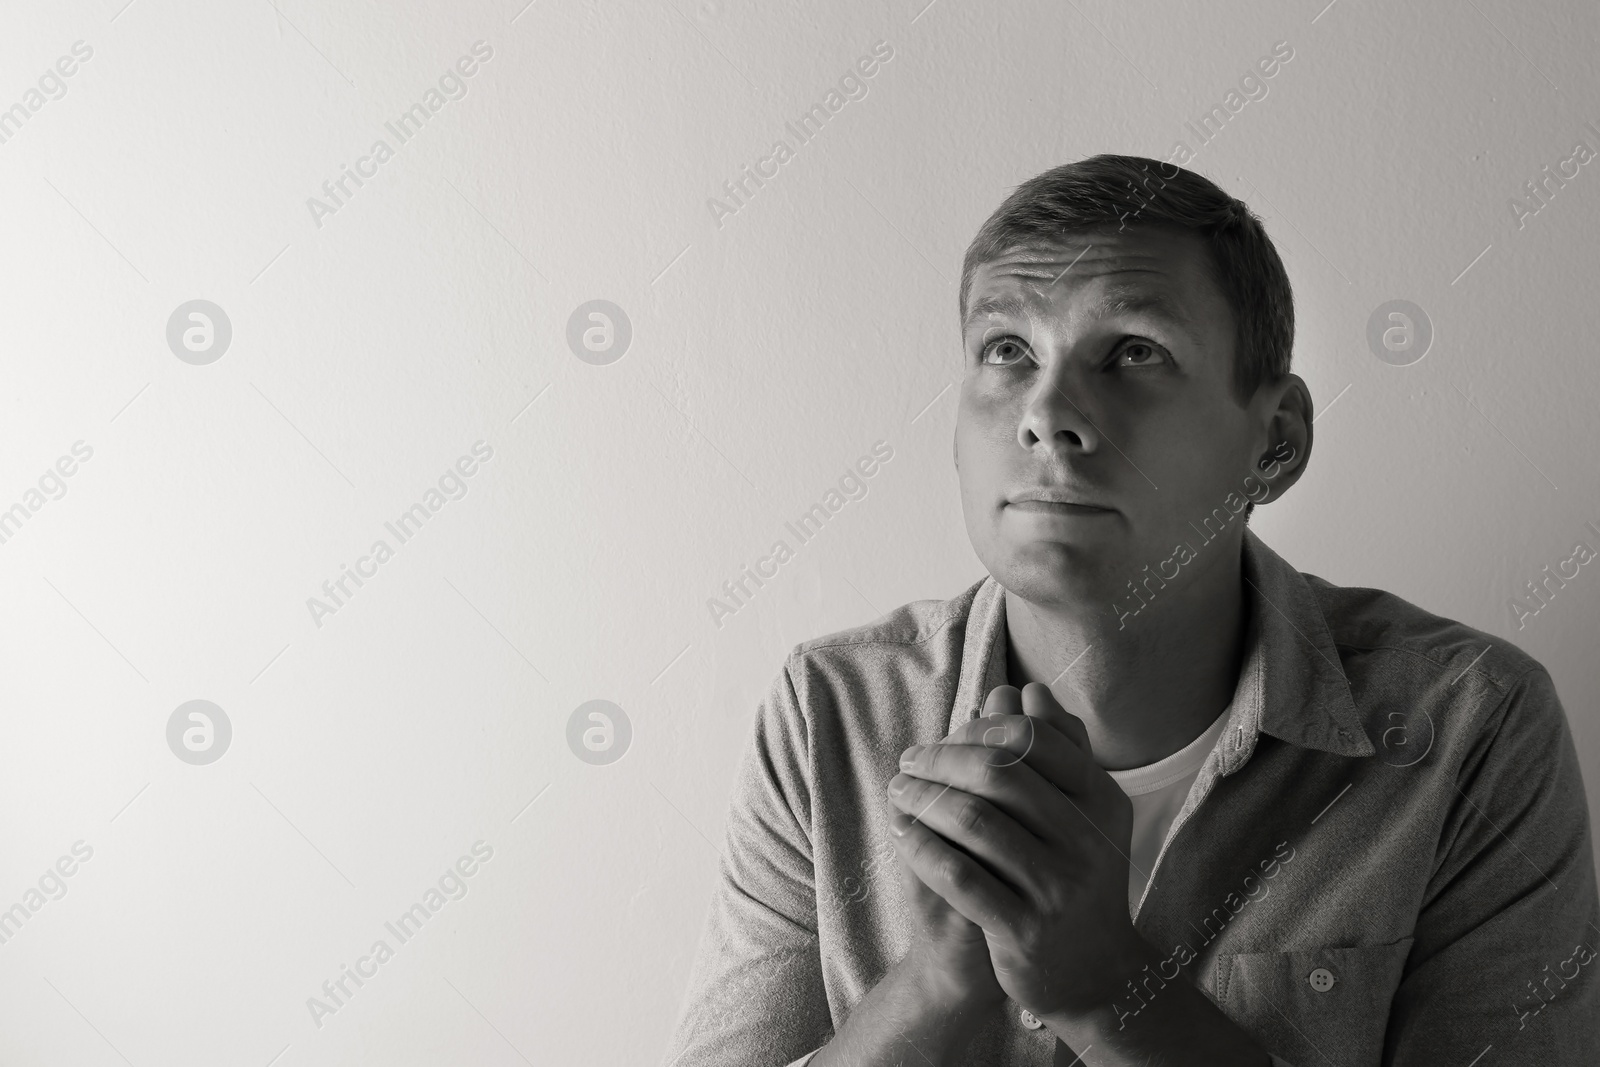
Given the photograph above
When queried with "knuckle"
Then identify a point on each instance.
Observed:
(994, 762)
(953, 872)
(971, 817)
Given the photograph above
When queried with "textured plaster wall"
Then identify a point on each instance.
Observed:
(377, 335)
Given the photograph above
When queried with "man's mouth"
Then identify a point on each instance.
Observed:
(1053, 499)
(1056, 507)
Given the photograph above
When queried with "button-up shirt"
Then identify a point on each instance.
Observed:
(1385, 858)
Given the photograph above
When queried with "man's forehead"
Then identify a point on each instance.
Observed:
(1088, 255)
(1117, 275)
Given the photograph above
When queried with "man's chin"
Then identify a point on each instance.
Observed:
(1051, 573)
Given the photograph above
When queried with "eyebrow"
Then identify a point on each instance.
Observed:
(1116, 302)
(1002, 305)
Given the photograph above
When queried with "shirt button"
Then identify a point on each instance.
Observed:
(1321, 979)
(1030, 1020)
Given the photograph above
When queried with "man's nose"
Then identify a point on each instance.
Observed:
(1053, 413)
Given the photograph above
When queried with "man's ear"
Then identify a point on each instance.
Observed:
(1283, 447)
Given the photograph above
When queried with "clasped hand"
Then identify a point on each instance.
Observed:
(1023, 841)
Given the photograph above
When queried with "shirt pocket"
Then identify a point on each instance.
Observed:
(1321, 1006)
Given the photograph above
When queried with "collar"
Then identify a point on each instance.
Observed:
(1291, 685)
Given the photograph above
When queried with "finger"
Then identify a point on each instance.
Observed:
(1013, 733)
(1033, 740)
(1074, 775)
(1008, 700)
(911, 884)
(1035, 700)
(996, 773)
(976, 826)
(1039, 701)
(963, 883)
(1003, 700)
(1024, 767)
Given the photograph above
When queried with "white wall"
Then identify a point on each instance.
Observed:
(369, 352)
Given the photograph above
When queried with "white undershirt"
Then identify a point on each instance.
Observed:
(1158, 792)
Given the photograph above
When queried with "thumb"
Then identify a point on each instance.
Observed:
(1039, 702)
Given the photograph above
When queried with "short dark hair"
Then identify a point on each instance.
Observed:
(1103, 191)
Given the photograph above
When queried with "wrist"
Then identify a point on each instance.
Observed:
(1157, 1015)
(938, 985)
(1125, 987)
(1091, 1026)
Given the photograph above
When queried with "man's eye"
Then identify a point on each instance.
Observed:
(1003, 351)
(1139, 354)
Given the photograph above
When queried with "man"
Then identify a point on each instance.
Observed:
(1146, 793)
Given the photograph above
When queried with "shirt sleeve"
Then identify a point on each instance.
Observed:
(1506, 940)
(756, 996)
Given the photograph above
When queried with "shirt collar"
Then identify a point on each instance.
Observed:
(1291, 685)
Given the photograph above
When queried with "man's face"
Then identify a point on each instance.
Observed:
(1109, 385)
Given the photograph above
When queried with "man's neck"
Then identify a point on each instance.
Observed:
(1146, 685)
